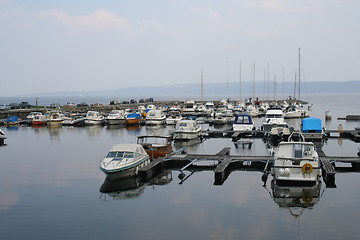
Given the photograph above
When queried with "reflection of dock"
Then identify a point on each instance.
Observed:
(223, 164)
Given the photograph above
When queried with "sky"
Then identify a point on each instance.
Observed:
(81, 45)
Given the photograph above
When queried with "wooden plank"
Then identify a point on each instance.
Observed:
(224, 151)
(220, 170)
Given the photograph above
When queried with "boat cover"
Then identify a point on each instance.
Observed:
(311, 125)
(134, 115)
(12, 119)
(243, 119)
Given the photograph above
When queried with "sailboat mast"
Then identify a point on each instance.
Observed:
(227, 79)
(202, 88)
(299, 75)
(240, 81)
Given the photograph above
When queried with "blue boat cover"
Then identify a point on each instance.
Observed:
(311, 125)
(12, 119)
(134, 115)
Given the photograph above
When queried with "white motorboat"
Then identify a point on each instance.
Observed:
(93, 118)
(252, 110)
(186, 130)
(55, 118)
(173, 118)
(2, 137)
(155, 117)
(189, 106)
(296, 162)
(296, 111)
(31, 116)
(115, 117)
(243, 123)
(274, 117)
(124, 160)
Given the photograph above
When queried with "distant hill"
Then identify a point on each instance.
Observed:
(217, 90)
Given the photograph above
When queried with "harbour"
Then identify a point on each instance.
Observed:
(212, 187)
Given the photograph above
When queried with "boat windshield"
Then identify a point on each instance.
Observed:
(273, 116)
(120, 155)
(243, 120)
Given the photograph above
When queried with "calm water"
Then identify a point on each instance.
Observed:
(50, 189)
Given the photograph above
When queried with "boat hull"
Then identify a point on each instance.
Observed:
(186, 135)
(126, 171)
(115, 121)
(93, 122)
(132, 121)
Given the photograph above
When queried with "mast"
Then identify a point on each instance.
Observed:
(240, 81)
(295, 87)
(299, 75)
(227, 79)
(202, 88)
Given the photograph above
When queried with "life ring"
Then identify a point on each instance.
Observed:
(307, 168)
(307, 198)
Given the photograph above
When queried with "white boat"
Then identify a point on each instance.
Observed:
(115, 117)
(155, 117)
(31, 116)
(209, 108)
(189, 106)
(274, 117)
(2, 137)
(55, 118)
(124, 160)
(186, 130)
(93, 118)
(243, 123)
(296, 162)
(173, 117)
(252, 110)
(296, 111)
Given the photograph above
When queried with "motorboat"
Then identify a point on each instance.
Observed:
(296, 111)
(173, 117)
(252, 110)
(94, 118)
(55, 119)
(243, 123)
(74, 120)
(39, 120)
(278, 134)
(209, 108)
(311, 129)
(189, 106)
(115, 117)
(156, 145)
(133, 119)
(124, 160)
(296, 161)
(2, 137)
(187, 129)
(155, 117)
(30, 117)
(274, 117)
(12, 121)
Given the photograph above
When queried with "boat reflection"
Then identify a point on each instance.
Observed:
(244, 143)
(296, 198)
(131, 188)
(187, 143)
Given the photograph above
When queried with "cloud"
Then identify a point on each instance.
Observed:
(100, 20)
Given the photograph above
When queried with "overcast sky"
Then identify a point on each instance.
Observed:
(51, 45)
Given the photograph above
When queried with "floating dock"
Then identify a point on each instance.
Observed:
(223, 164)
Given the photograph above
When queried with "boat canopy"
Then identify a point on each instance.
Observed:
(311, 125)
(12, 119)
(243, 119)
(134, 115)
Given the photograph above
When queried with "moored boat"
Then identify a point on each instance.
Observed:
(186, 130)
(55, 119)
(124, 160)
(133, 119)
(12, 121)
(155, 117)
(93, 118)
(156, 145)
(39, 120)
(243, 123)
(296, 162)
(312, 130)
(115, 117)
(274, 117)
(173, 117)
